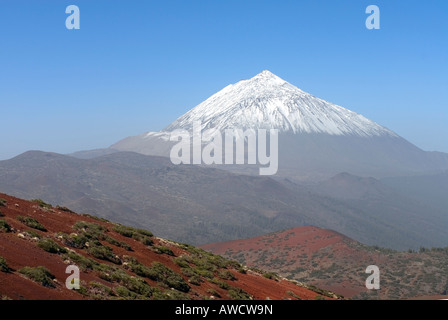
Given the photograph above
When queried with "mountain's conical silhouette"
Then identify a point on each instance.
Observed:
(269, 102)
(317, 139)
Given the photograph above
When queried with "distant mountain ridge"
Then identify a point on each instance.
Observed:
(200, 205)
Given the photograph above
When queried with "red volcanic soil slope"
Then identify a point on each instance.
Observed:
(334, 262)
(116, 262)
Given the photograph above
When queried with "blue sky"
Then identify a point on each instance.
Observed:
(135, 66)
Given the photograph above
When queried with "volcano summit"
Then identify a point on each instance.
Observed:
(317, 139)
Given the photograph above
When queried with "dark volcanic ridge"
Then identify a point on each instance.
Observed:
(200, 205)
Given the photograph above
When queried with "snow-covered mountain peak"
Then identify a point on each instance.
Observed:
(266, 101)
(264, 83)
(268, 76)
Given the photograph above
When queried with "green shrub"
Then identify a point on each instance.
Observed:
(94, 217)
(130, 287)
(140, 269)
(3, 202)
(119, 275)
(31, 222)
(163, 250)
(1, 214)
(82, 290)
(161, 273)
(4, 226)
(4, 266)
(143, 239)
(82, 262)
(139, 286)
(170, 295)
(233, 264)
(75, 241)
(124, 231)
(241, 270)
(221, 284)
(181, 262)
(271, 275)
(146, 241)
(218, 261)
(204, 273)
(105, 276)
(213, 292)
(103, 253)
(187, 247)
(238, 294)
(136, 288)
(50, 246)
(259, 271)
(205, 261)
(292, 294)
(65, 209)
(42, 204)
(117, 243)
(127, 294)
(40, 275)
(112, 241)
(138, 234)
(99, 291)
(195, 280)
(188, 272)
(102, 267)
(226, 275)
(144, 232)
(129, 231)
(91, 230)
(33, 234)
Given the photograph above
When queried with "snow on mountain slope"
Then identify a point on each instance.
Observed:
(269, 102)
(317, 139)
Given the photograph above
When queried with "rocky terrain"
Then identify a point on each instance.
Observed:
(335, 262)
(38, 242)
